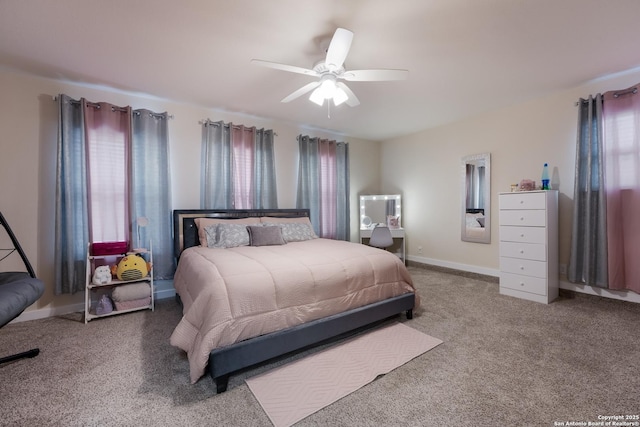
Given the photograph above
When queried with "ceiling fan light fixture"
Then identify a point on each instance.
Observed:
(339, 97)
(317, 97)
(328, 88)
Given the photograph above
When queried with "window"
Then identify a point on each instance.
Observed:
(243, 156)
(107, 146)
(621, 152)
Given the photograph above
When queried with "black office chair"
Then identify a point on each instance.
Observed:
(18, 290)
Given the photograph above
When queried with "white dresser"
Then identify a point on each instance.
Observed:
(529, 245)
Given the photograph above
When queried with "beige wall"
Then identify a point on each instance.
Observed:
(28, 124)
(425, 169)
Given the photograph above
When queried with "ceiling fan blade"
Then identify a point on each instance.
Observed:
(338, 48)
(352, 100)
(374, 75)
(284, 67)
(304, 89)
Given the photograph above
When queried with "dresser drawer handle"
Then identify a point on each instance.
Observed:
(521, 218)
(521, 283)
(522, 235)
(522, 267)
(521, 251)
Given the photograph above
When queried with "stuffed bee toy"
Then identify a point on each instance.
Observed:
(131, 267)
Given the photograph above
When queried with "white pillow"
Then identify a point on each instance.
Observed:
(472, 220)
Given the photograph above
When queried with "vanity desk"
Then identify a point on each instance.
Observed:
(398, 239)
(383, 209)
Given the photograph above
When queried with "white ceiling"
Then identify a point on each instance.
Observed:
(463, 56)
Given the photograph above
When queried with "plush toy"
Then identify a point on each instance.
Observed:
(131, 267)
(102, 275)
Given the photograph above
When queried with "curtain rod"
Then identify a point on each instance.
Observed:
(122, 109)
(632, 90)
(207, 122)
(321, 139)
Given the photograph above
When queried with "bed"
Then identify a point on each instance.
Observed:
(247, 304)
(474, 219)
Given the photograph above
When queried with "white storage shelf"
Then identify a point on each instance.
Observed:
(529, 245)
(94, 292)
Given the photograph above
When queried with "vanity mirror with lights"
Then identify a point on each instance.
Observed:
(385, 210)
(476, 198)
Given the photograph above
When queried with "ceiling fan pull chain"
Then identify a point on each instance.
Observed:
(328, 109)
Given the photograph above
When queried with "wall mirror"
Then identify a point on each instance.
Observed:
(377, 209)
(476, 198)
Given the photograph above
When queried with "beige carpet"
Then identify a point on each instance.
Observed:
(295, 391)
(504, 362)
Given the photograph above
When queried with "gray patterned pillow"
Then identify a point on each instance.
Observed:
(231, 236)
(296, 232)
(211, 233)
(265, 236)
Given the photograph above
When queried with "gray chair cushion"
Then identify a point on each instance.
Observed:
(17, 292)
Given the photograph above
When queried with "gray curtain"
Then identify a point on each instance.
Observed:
(588, 259)
(151, 188)
(217, 167)
(217, 177)
(390, 208)
(72, 218)
(481, 183)
(327, 198)
(266, 196)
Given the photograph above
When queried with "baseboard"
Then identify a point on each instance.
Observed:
(43, 313)
(455, 266)
(629, 296)
(589, 290)
(163, 289)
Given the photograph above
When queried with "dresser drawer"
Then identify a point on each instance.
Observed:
(525, 267)
(523, 200)
(533, 251)
(532, 285)
(530, 218)
(523, 234)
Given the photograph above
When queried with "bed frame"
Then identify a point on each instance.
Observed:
(227, 360)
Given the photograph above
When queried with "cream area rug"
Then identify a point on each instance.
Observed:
(294, 391)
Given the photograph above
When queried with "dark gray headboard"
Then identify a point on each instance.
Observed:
(475, 211)
(185, 232)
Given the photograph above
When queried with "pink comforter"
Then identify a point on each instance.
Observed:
(230, 295)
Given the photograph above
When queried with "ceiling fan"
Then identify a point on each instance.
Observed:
(331, 70)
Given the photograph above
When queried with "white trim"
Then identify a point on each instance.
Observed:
(43, 313)
(456, 266)
(164, 289)
(629, 296)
